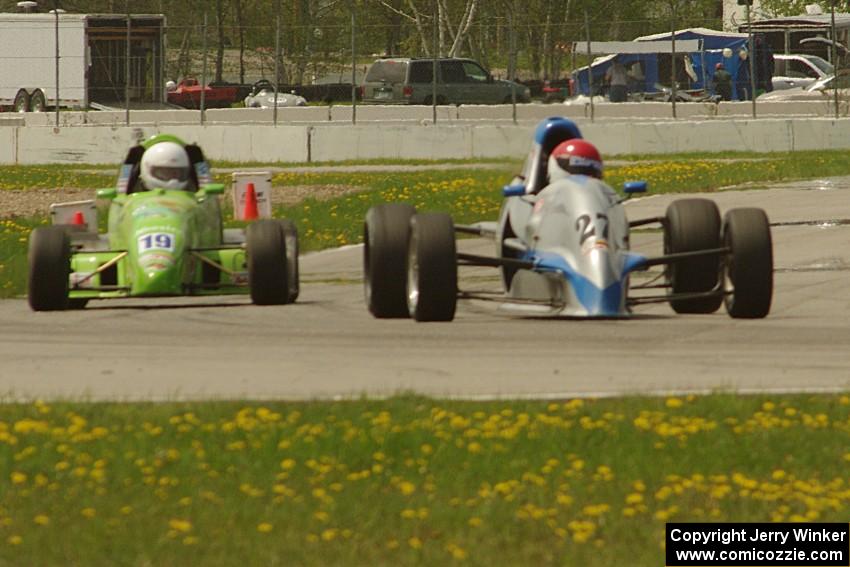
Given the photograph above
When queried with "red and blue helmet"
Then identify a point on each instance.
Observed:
(575, 157)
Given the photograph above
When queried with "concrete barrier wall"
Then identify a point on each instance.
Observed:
(331, 143)
(335, 141)
(418, 114)
(394, 113)
(104, 144)
(8, 145)
(308, 114)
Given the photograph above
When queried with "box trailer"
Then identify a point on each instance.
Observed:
(92, 60)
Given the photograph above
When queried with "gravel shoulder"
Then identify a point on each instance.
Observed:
(36, 202)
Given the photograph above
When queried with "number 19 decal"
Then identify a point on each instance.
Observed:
(156, 241)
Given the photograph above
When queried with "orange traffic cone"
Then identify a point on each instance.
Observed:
(78, 219)
(251, 211)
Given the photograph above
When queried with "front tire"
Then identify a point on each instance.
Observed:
(49, 269)
(267, 263)
(748, 268)
(432, 268)
(290, 235)
(385, 237)
(692, 225)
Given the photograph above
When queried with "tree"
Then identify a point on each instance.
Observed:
(776, 8)
(219, 52)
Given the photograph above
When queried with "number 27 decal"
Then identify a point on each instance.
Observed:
(586, 227)
(156, 241)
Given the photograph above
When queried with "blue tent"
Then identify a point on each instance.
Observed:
(702, 62)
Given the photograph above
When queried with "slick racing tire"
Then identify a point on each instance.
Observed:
(385, 235)
(432, 268)
(49, 269)
(290, 234)
(748, 267)
(267, 263)
(691, 225)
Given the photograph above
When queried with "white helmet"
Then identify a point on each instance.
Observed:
(165, 166)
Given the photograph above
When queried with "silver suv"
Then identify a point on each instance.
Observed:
(459, 81)
(798, 70)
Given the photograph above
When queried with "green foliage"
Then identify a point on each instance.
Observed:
(784, 7)
(408, 481)
(316, 36)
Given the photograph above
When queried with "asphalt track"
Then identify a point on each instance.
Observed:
(328, 346)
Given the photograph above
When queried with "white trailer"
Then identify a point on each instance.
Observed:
(92, 63)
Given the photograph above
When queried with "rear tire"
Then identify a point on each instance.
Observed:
(432, 268)
(22, 101)
(748, 268)
(290, 235)
(267, 262)
(49, 269)
(385, 237)
(38, 103)
(691, 225)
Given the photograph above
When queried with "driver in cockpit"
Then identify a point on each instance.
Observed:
(574, 157)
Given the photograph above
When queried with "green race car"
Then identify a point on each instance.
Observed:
(165, 238)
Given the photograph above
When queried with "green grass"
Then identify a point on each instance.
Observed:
(468, 194)
(408, 481)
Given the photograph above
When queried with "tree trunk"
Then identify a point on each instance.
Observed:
(240, 23)
(547, 42)
(463, 27)
(183, 58)
(423, 37)
(219, 54)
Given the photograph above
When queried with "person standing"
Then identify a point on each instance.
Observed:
(618, 81)
(637, 80)
(722, 82)
(742, 78)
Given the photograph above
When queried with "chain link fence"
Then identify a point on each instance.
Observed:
(134, 61)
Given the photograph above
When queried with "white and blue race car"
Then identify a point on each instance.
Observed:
(563, 250)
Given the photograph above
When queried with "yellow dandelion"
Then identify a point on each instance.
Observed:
(180, 525)
(415, 542)
(264, 527)
(88, 512)
(18, 477)
(634, 498)
(14, 540)
(41, 520)
(673, 403)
